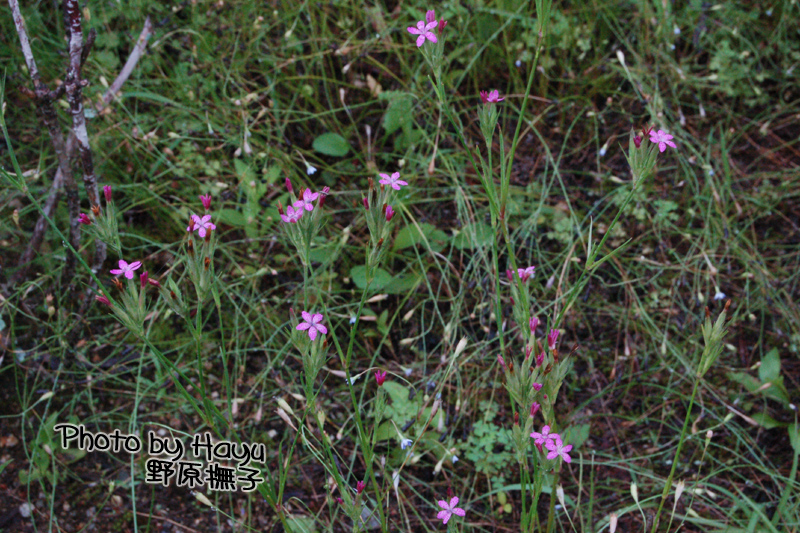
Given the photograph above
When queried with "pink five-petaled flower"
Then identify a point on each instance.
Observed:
(492, 97)
(662, 138)
(206, 199)
(557, 448)
(312, 324)
(126, 269)
(307, 201)
(292, 215)
(543, 437)
(393, 181)
(449, 509)
(551, 339)
(525, 273)
(424, 31)
(201, 225)
(380, 377)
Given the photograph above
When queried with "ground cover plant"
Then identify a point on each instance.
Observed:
(471, 266)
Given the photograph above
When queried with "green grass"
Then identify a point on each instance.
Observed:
(720, 214)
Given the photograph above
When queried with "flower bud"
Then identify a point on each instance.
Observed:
(206, 200)
(107, 193)
(289, 185)
(84, 218)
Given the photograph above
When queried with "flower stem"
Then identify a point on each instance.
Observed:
(668, 483)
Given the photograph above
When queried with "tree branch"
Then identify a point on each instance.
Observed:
(130, 64)
(47, 111)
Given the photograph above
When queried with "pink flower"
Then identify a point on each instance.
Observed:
(312, 324)
(380, 377)
(292, 215)
(662, 138)
(637, 141)
(492, 97)
(393, 181)
(201, 225)
(143, 279)
(442, 25)
(289, 185)
(107, 192)
(535, 408)
(102, 299)
(424, 31)
(449, 509)
(307, 200)
(84, 218)
(322, 195)
(360, 486)
(540, 359)
(430, 16)
(557, 448)
(544, 437)
(126, 269)
(525, 273)
(389, 213)
(537, 387)
(551, 339)
(206, 199)
(534, 323)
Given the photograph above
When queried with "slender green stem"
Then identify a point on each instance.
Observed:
(668, 484)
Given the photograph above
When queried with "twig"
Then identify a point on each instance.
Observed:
(44, 101)
(55, 194)
(74, 86)
(130, 64)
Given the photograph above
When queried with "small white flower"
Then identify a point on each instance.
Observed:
(310, 169)
(405, 443)
(676, 31)
(455, 459)
(719, 296)
(518, 63)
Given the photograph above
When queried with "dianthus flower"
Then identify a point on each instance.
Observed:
(424, 32)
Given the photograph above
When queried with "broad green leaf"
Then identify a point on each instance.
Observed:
(476, 235)
(331, 144)
(398, 114)
(411, 235)
(231, 217)
(379, 278)
(794, 437)
(770, 368)
(767, 421)
(402, 283)
(302, 524)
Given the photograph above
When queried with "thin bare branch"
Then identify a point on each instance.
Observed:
(44, 101)
(74, 86)
(130, 64)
